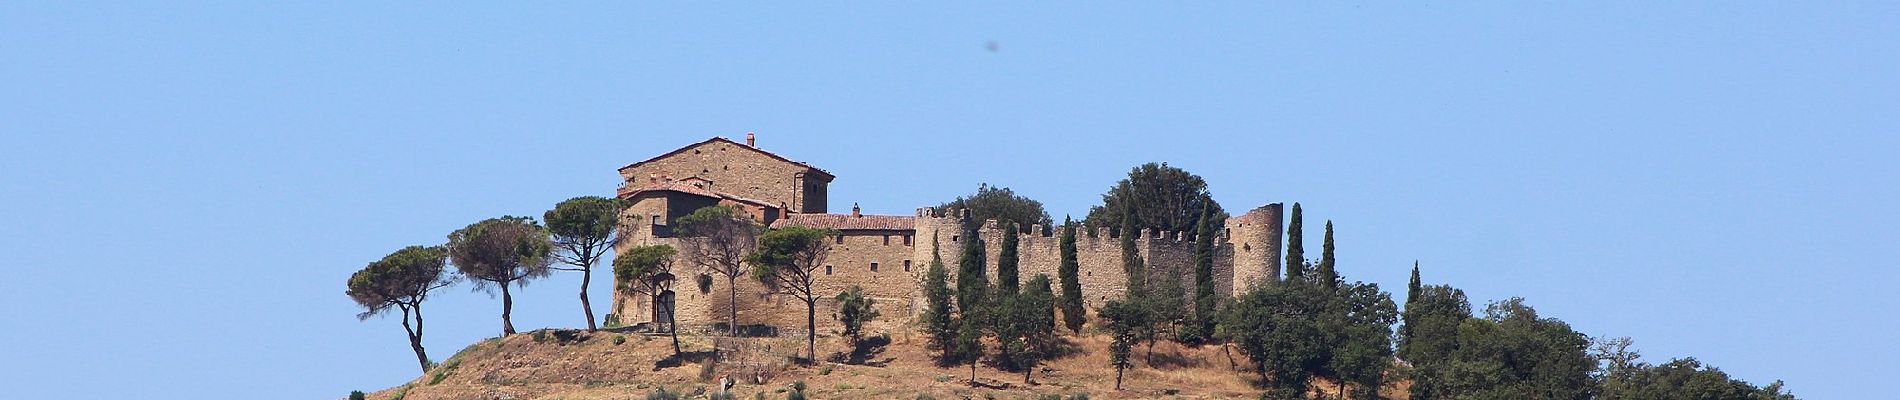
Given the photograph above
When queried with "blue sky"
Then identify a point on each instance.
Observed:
(190, 184)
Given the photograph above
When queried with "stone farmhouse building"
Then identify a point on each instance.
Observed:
(885, 254)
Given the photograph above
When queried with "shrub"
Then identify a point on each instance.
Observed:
(443, 371)
(612, 321)
(798, 391)
(720, 396)
(1079, 396)
(356, 395)
(706, 369)
(618, 339)
(540, 335)
(825, 371)
(662, 394)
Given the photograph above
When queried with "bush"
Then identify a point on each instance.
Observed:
(825, 371)
(443, 371)
(662, 394)
(798, 391)
(356, 395)
(720, 396)
(540, 335)
(612, 321)
(618, 339)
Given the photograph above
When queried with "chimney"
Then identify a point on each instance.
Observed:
(854, 211)
(751, 140)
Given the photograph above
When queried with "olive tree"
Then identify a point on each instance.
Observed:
(501, 252)
(401, 280)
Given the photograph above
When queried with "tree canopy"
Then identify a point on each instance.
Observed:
(648, 270)
(401, 280)
(500, 252)
(1001, 204)
(717, 239)
(786, 261)
(1160, 197)
(583, 230)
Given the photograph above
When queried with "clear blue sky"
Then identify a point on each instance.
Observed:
(190, 184)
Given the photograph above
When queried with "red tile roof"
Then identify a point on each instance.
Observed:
(626, 192)
(846, 222)
(729, 141)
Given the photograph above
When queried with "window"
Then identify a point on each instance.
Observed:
(873, 267)
(953, 238)
(887, 240)
(906, 240)
(906, 265)
(656, 220)
(840, 238)
(827, 270)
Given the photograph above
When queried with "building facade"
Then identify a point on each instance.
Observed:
(887, 255)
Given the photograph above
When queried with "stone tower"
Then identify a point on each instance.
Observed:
(1255, 237)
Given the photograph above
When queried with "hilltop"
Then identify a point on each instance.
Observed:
(622, 364)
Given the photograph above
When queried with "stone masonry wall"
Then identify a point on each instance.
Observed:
(737, 169)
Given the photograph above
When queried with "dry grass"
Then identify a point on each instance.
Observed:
(591, 366)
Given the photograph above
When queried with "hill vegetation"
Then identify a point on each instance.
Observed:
(1313, 334)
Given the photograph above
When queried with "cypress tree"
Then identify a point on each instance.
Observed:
(1006, 261)
(1411, 289)
(1132, 263)
(1202, 324)
(1073, 316)
(1295, 247)
(1328, 275)
(971, 283)
(939, 321)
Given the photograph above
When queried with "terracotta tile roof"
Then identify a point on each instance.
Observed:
(729, 141)
(846, 222)
(626, 192)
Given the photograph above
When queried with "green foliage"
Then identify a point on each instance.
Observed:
(1622, 375)
(1073, 315)
(722, 238)
(1327, 274)
(1278, 327)
(499, 252)
(720, 395)
(582, 229)
(645, 269)
(1160, 197)
(1000, 204)
(972, 284)
(798, 391)
(1512, 353)
(1168, 308)
(1431, 323)
(969, 343)
(400, 393)
(612, 320)
(1360, 320)
(1024, 325)
(939, 324)
(356, 395)
(1132, 264)
(662, 394)
(1125, 320)
(402, 281)
(443, 371)
(1007, 283)
(1295, 246)
(785, 261)
(1200, 327)
(620, 339)
(704, 282)
(855, 309)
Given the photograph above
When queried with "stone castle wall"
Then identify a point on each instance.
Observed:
(1247, 252)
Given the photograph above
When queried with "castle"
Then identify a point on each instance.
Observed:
(885, 254)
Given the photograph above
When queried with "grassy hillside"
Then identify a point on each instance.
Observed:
(568, 364)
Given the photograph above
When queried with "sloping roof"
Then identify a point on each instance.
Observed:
(729, 141)
(626, 192)
(846, 222)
